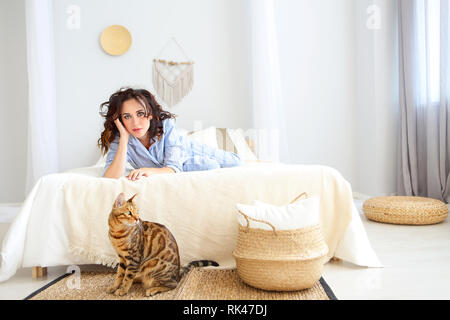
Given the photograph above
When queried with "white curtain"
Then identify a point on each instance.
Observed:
(268, 110)
(42, 130)
(424, 153)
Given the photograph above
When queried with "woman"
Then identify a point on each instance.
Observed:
(138, 131)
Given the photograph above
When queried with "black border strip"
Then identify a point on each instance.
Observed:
(327, 289)
(322, 281)
(47, 286)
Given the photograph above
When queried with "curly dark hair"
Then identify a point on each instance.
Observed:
(110, 110)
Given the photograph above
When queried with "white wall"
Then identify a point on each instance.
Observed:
(376, 112)
(13, 101)
(317, 53)
(213, 33)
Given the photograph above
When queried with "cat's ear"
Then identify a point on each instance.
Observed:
(120, 200)
(131, 199)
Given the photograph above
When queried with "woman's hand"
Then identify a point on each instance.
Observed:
(138, 173)
(146, 172)
(124, 134)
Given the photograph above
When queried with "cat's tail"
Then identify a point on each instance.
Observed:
(197, 263)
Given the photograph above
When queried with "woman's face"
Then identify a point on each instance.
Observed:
(134, 119)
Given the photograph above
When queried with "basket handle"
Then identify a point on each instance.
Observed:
(299, 196)
(247, 218)
(250, 218)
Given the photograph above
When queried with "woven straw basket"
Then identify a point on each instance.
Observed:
(280, 260)
(405, 210)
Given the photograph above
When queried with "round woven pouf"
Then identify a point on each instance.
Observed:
(405, 210)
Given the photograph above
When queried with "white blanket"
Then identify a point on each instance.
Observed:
(204, 224)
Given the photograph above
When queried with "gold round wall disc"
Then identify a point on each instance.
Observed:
(115, 40)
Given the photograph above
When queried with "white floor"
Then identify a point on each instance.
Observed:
(416, 259)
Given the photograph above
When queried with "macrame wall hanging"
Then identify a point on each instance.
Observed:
(172, 80)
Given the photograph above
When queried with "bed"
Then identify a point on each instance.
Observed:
(63, 220)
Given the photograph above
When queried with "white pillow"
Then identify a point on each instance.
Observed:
(242, 148)
(206, 136)
(102, 161)
(301, 214)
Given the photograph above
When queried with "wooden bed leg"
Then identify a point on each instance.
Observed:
(39, 272)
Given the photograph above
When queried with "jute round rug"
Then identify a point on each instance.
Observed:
(198, 284)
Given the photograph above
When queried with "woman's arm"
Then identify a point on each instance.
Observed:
(117, 166)
(160, 170)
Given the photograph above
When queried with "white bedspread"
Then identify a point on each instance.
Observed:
(42, 232)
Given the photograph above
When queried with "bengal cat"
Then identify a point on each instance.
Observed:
(147, 251)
